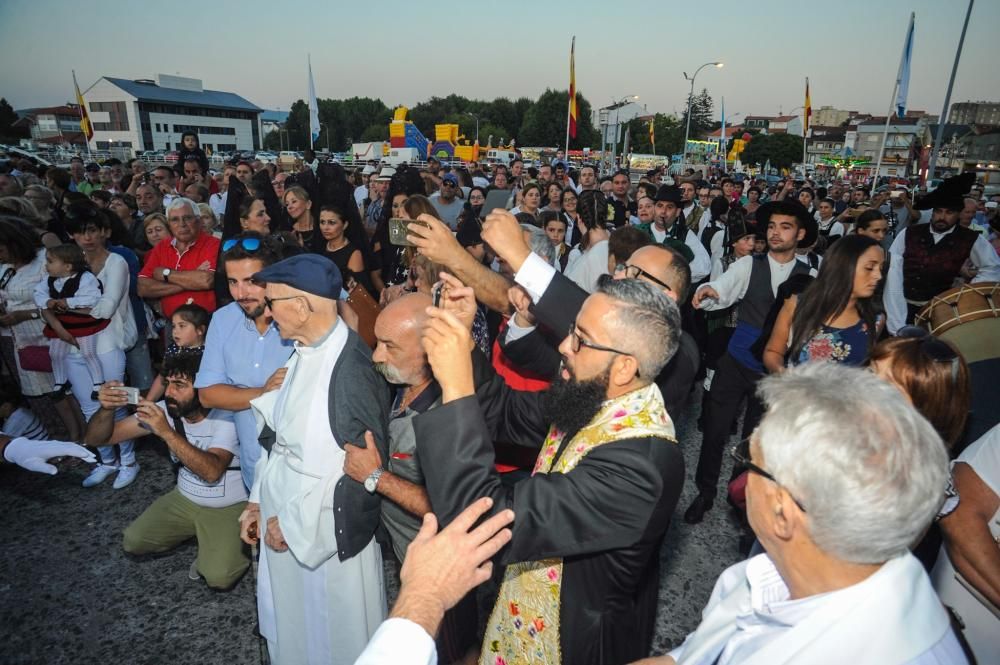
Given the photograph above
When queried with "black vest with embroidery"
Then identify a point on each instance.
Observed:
(930, 268)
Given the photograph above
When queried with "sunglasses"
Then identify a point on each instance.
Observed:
(936, 350)
(739, 458)
(447, 183)
(249, 244)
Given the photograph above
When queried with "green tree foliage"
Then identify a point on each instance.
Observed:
(545, 122)
(668, 130)
(362, 119)
(782, 149)
(702, 114)
(7, 118)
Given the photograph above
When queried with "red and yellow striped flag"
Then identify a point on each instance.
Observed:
(85, 126)
(572, 90)
(807, 110)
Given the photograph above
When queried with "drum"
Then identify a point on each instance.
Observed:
(969, 317)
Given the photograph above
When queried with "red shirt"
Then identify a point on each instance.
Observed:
(165, 255)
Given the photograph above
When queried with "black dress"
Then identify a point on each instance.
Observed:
(342, 257)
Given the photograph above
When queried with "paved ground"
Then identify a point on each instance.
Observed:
(69, 595)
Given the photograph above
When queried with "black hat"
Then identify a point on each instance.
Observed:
(670, 194)
(311, 273)
(92, 166)
(950, 194)
(797, 210)
(738, 229)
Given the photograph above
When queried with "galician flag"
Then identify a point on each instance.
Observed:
(85, 126)
(903, 76)
(572, 90)
(313, 109)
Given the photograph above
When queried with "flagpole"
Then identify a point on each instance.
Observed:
(947, 97)
(86, 139)
(805, 128)
(892, 105)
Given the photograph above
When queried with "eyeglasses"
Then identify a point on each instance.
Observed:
(734, 452)
(447, 183)
(575, 342)
(249, 244)
(269, 302)
(635, 272)
(937, 350)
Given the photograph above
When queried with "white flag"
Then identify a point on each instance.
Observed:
(903, 77)
(313, 109)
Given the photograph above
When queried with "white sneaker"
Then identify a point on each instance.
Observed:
(126, 474)
(100, 473)
(193, 573)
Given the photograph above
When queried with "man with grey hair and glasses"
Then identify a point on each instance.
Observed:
(581, 577)
(844, 476)
(181, 269)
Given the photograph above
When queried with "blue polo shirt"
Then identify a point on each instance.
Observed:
(237, 355)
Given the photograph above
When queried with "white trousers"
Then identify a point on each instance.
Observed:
(113, 366)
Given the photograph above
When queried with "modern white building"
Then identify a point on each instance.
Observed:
(152, 115)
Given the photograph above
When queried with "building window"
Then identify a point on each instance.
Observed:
(117, 116)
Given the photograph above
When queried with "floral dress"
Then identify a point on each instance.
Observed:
(842, 345)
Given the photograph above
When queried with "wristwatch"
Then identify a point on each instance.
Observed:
(371, 482)
(35, 314)
(166, 274)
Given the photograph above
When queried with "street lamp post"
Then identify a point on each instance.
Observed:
(616, 105)
(473, 115)
(687, 130)
(323, 124)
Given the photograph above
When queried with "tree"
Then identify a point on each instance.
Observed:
(668, 132)
(297, 126)
(782, 150)
(545, 122)
(702, 114)
(375, 132)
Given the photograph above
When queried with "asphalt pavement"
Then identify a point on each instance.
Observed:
(69, 594)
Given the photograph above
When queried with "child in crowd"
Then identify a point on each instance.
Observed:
(65, 299)
(191, 147)
(189, 325)
(555, 226)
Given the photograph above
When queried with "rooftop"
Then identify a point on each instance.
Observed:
(148, 91)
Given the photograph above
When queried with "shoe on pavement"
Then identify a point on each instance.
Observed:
(126, 474)
(696, 511)
(100, 473)
(193, 573)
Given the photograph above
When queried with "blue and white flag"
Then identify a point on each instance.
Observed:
(903, 77)
(313, 109)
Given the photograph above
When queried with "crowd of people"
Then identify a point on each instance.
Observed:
(478, 371)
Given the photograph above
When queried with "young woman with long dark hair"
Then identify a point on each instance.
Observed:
(834, 319)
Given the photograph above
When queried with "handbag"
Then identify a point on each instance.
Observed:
(367, 310)
(33, 357)
(737, 490)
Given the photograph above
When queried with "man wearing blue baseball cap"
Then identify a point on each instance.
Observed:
(446, 200)
(320, 594)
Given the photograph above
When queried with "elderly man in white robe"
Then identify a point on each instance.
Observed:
(844, 475)
(320, 584)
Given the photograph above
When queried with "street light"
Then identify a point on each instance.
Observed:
(687, 130)
(616, 105)
(473, 115)
(323, 124)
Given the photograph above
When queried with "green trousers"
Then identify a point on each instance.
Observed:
(173, 518)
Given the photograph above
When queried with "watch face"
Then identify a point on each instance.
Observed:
(370, 484)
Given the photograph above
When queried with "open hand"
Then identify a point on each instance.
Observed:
(448, 344)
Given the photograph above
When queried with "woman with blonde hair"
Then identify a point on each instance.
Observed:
(299, 207)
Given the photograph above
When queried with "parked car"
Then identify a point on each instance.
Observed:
(266, 157)
(289, 160)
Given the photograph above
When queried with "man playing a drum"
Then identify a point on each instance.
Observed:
(926, 258)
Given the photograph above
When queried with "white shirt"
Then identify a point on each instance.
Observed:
(983, 256)
(87, 294)
(701, 264)
(360, 193)
(217, 202)
(400, 642)
(115, 305)
(586, 270)
(732, 285)
(772, 613)
(215, 430)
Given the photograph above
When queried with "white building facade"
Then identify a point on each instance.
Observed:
(152, 115)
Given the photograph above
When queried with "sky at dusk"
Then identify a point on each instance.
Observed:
(405, 52)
